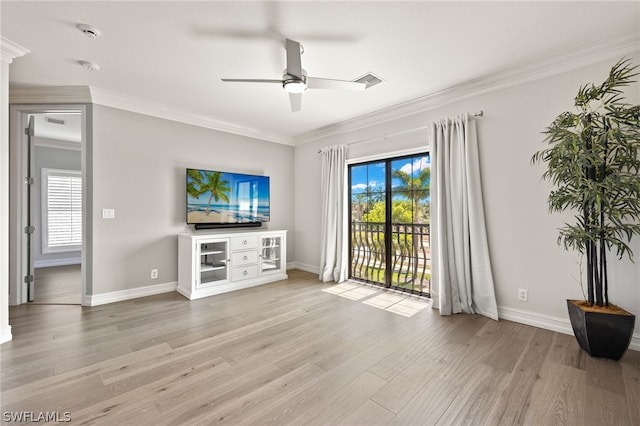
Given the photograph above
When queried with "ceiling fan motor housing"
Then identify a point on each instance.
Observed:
(293, 84)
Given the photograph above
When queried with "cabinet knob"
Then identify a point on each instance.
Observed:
(244, 242)
(246, 257)
(245, 273)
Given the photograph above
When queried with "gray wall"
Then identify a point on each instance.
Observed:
(522, 234)
(53, 158)
(139, 167)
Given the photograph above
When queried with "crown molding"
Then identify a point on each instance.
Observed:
(10, 50)
(142, 106)
(84, 95)
(49, 95)
(558, 63)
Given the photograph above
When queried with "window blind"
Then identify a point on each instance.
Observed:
(63, 210)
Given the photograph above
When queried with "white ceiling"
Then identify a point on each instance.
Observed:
(174, 53)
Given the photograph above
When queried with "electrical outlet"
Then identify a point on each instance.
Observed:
(523, 295)
(154, 274)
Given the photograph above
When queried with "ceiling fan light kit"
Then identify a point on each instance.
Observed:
(295, 80)
(294, 86)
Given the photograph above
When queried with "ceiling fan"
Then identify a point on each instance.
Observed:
(295, 80)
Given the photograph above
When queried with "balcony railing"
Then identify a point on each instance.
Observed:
(410, 264)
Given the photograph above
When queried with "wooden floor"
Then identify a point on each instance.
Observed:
(290, 353)
(57, 284)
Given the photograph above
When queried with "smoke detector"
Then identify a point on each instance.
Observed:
(91, 66)
(89, 30)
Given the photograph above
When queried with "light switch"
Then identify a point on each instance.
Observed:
(108, 213)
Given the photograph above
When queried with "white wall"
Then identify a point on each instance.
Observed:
(5, 328)
(8, 52)
(522, 235)
(139, 167)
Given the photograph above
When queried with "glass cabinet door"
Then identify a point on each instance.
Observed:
(270, 254)
(213, 262)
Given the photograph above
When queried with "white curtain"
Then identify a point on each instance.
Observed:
(460, 269)
(333, 257)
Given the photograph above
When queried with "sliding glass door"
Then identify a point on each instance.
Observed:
(389, 223)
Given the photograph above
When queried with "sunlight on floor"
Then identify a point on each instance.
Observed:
(395, 302)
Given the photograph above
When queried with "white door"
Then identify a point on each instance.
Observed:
(29, 229)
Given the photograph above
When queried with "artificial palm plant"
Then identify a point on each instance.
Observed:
(593, 162)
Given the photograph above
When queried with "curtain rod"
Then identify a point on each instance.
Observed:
(475, 114)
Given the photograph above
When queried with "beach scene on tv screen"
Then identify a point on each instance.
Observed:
(220, 197)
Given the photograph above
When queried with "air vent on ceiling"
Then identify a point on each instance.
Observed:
(369, 79)
(55, 121)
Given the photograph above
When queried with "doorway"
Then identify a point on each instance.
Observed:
(49, 198)
(57, 208)
(389, 220)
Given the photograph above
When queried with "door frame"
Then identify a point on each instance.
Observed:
(18, 157)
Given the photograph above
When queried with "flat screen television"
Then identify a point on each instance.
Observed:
(222, 200)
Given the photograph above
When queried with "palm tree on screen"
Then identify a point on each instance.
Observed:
(202, 182)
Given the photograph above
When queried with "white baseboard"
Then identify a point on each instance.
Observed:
(130, 293)
(5, 334)
(314, 269)
(47, 263)
(548, 322)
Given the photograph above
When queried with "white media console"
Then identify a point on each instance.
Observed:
(216, 263)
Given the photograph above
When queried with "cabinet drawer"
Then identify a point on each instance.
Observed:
(244, 273)
(240, 258)
(244, 242)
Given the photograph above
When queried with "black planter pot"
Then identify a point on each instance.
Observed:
(601, 335)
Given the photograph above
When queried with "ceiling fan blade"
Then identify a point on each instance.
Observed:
(328, 83)
(294, 60)
(270, 35)
(296, 101)
(250, 80)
